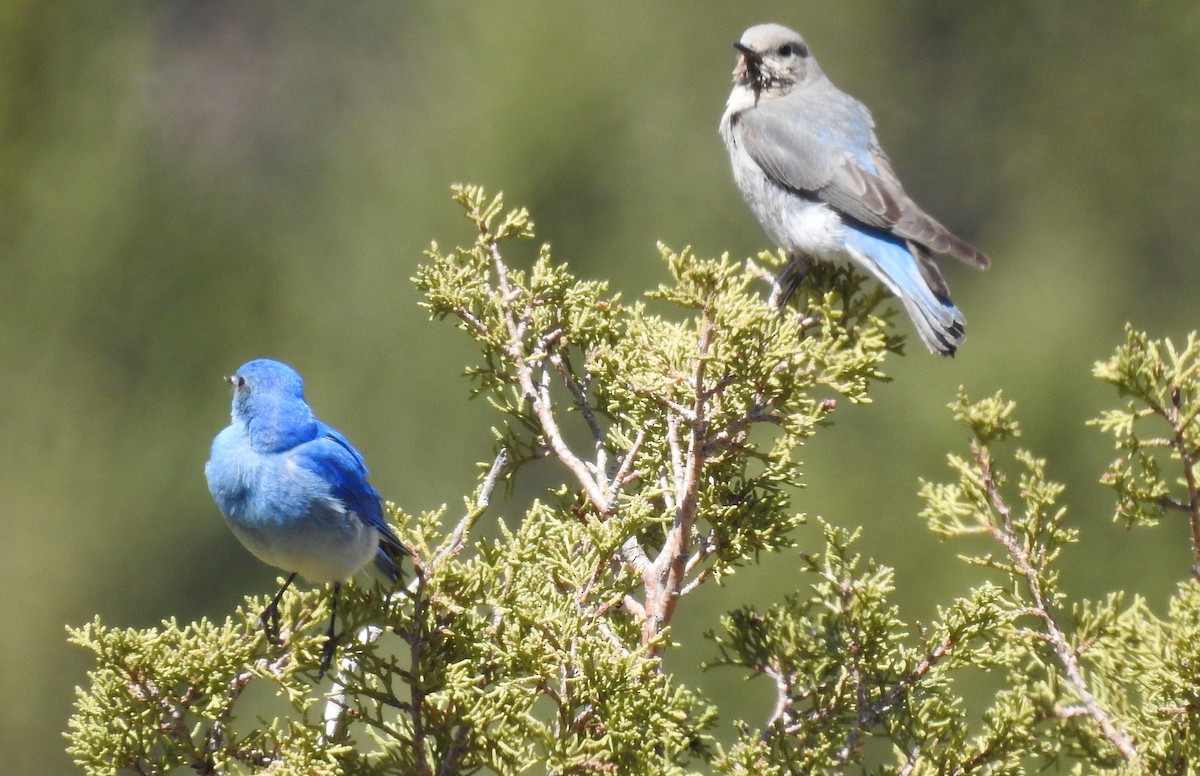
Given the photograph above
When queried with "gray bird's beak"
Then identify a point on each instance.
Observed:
(752, 56)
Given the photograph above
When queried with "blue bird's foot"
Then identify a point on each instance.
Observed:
(269, 622)
(330, 637)
(327, 655)
(269, 619)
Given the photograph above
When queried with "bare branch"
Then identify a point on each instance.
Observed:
(763, 413)
(687, 413)
(626, 466)
(541, 406)
(783, 697)
(677, 476)
(662, 594)
(635, 607)
(483, 497)
(1183, 450)
(635, 557)
(473, 323)
(758, 273)
(696, 582)
(335, 706)
(707, 547)
(562, 365)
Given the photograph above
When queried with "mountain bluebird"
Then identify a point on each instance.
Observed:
(295, 491)
(807, 161)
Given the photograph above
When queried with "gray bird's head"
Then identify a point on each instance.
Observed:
(773, 59)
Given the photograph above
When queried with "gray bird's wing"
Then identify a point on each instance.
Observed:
(829, 151)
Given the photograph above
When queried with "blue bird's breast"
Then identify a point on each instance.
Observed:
(286, 514)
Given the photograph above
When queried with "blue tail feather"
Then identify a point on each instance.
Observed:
(888, 258)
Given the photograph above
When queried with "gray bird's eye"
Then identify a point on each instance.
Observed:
(792, 49)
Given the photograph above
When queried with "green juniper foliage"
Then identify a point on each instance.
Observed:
(673, 422)
(1156, 430)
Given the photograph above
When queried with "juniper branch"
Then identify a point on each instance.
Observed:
(1044, 610)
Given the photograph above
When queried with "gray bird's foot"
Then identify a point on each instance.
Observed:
(788, 280)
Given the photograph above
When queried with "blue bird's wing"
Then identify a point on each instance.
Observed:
(338, 463)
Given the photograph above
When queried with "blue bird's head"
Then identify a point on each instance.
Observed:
(268, 400)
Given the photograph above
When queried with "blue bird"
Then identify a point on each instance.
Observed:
(295, 492)
(807, 162)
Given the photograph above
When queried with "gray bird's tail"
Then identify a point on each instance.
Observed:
(909, 272)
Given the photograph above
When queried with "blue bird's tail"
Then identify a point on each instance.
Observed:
(389, 557)
(908, 271)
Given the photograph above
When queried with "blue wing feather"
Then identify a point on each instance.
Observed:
(337, 462)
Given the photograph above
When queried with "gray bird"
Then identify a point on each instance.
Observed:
(807, 161)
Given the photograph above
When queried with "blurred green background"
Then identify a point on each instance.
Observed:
(187, 185)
